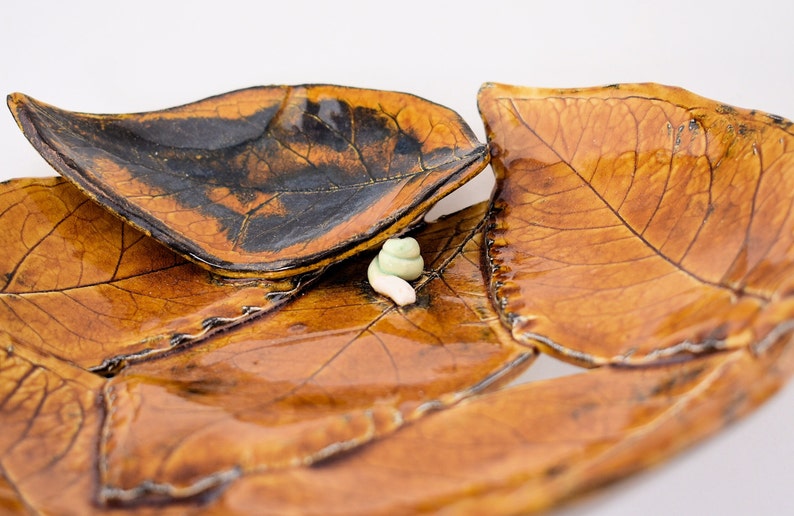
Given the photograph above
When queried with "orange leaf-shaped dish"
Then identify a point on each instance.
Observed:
(635, 223)
(267, 181)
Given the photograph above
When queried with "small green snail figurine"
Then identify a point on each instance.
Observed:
(398, 262)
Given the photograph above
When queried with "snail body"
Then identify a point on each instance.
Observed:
(398, 262)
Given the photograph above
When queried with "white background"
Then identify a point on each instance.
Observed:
(143, 55)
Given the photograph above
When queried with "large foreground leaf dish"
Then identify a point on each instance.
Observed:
(334, 369)
(267, 181)
(639, 223)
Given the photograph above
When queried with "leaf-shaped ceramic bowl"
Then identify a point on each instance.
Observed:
(639, 223)
(267, 181)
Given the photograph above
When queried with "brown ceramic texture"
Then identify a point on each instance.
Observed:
(526, 448)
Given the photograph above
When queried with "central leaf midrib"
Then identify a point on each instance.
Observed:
(625, 223)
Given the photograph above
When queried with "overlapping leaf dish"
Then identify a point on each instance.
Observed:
(264, 182)
(186, 325)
